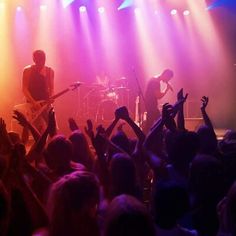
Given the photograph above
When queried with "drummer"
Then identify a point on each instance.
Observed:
(103, 79)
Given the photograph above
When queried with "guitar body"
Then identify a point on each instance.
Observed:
(38, 117)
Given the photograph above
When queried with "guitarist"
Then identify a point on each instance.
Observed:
(38, 85)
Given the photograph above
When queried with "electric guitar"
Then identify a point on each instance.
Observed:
(31, 114)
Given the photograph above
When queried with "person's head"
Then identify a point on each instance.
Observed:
(73, 203)
(39, 58)
(171, 202)
(127, 216)
(122, 141)
(123, 175)
(81, 150)
(208, 141)
(181, 147)
(229, 210)
(206, 178)
(59, 153)
(167, 75)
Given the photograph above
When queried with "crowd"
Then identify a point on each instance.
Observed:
(100, 182)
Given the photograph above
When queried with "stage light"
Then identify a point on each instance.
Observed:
(82, 8)
(43, 7)
(66, 3)
(125, 4)
(136, 10)
(186, 12)
(2, 5)
(19, 8)
(156, 12)
(173, 12)
(101, 9)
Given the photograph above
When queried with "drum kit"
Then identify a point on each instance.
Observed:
(101, 101)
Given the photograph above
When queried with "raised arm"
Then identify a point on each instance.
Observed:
(36, 150)
(205, 116)
(26, 124)
(179, 108)
(5, 142)
(122, 113)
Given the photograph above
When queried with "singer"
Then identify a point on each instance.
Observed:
(153, 94)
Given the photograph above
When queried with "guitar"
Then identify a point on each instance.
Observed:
(31, 114)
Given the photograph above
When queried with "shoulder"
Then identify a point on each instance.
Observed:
(49, 69)
(28, 68)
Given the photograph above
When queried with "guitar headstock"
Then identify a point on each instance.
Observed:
(75, 85)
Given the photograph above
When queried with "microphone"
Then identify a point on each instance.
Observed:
(169, 87)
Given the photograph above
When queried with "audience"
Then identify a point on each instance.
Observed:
(171, 181)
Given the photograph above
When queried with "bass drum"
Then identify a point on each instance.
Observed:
(106, 111)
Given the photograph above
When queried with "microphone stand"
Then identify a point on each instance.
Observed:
(140, 95)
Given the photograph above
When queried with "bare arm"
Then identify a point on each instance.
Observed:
(26, 124)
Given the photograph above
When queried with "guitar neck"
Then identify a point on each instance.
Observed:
(59, 94)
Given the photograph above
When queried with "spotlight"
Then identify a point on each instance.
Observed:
(82, 8)
(66, 3)
(19, 8)
(101, 9)
(186, 12)
(43, 7)
(2, 5)
(156, 12)
(136, 10)
(173, 12)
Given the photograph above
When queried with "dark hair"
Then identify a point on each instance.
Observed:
(171, 202)
(72, 201)
(127, 216)
(58, 152)
(123, 175)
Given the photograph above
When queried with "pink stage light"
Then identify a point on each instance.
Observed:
(43, 7)
(137, 10)
(19, 8)
(173, 12)
(186, 12)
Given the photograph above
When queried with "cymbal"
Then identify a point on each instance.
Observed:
(98, 86)
(121, 79)
(121, 87)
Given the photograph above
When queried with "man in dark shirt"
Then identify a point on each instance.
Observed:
(153, 94)
(38, 85)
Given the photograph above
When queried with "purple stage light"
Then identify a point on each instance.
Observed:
(82, 9)
(101, 9)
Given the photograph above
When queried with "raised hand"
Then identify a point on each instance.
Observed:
(89, 129)
(180, 96)
(52, 127)
(122, 113)
(72, 124)
(3, 130)
(168, 116)
(166, 111)
(205, 101)
(20, 117)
